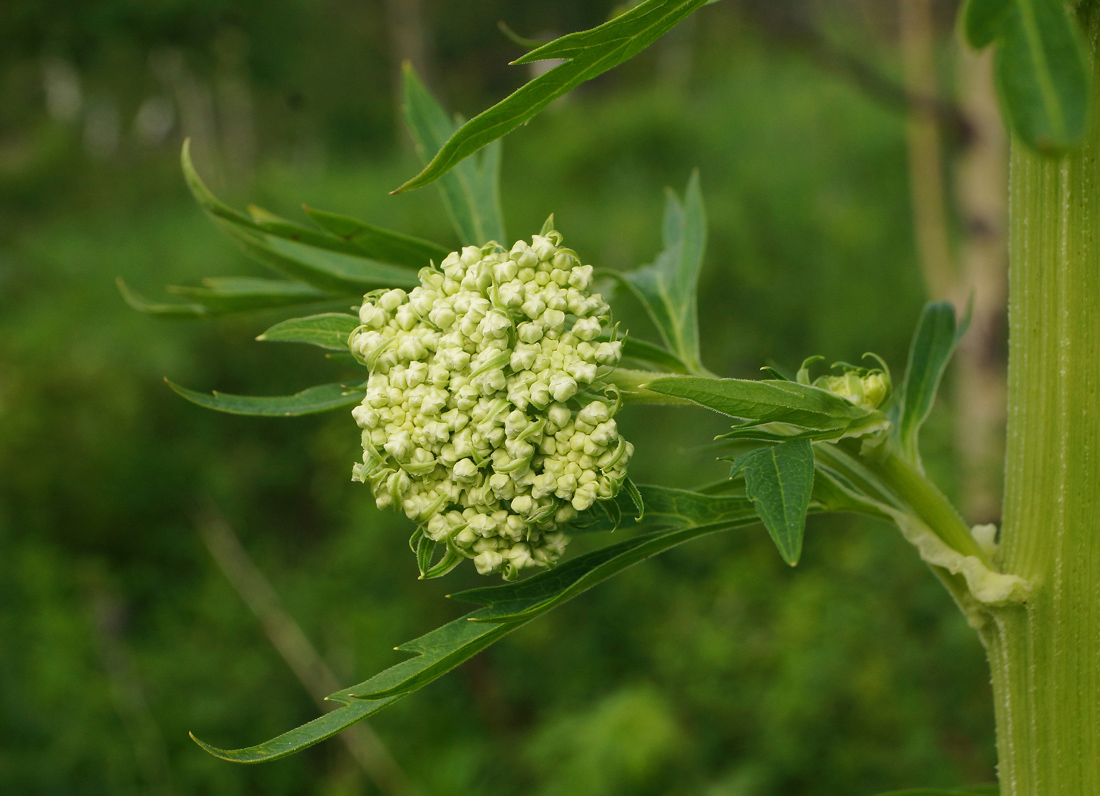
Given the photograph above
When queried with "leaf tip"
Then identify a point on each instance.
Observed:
(208, 748)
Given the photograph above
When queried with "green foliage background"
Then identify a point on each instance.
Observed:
(713, 670)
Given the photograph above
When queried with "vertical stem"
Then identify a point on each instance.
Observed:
(1045, 657)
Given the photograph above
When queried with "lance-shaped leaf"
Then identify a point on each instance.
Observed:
(929, 352)
(826, 415)
(588, 54)
(445, 648)
(649, 356)
(162, 308)
(223, 295)
(377, 243)
(238, 293)
(665, 507)
(1041, 67)
(311, 256)
(779, 481)
(329, 330)
(471, 192)
(310, 401)
(668, 288)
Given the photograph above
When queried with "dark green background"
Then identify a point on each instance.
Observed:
(714, 670)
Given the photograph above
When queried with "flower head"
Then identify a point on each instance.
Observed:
(487, 419)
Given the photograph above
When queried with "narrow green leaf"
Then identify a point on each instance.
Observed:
(307, 402)
(164, 309)
(471, 193)
(328, 330)
(634, 21)
(446, 647)
(666, 507)
(590, 53)
(1041, 67)
(668, 288)
(930, 351)
(779, 481)
(308, 255)
(636, 496)
(377, 243)
(224, 294)
(983, 21)
(650, 356)
(767, 401)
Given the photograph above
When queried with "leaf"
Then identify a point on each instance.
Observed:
(377, 243)
(301, 253)
(779, 481)
(589, 53)
(648, 354)
(446, 647)
(773, 401)
(224, 294)
(170, 310)
(933, 343)
(471, 193)
(668, 288)
(328, 330)
(666, 507)
(307, 402)
(982, 21)
(1041, 67)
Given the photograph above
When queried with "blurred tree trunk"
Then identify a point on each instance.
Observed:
(981, 190)
(981, 269)
(926, 186)
(410, 39)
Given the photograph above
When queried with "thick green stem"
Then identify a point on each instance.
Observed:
(1045, 656)
(926, 500)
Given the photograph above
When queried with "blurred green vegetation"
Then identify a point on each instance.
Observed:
(713, 670)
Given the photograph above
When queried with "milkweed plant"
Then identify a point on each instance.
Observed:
(491, 378)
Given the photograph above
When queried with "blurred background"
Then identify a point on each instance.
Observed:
(852, 164)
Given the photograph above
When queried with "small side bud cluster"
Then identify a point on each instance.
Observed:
(487, 419)
(865, 387)
(867, 391)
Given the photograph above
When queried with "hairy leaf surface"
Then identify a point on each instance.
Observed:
(779, 481)
(766, 401)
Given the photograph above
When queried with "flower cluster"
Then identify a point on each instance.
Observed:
(486, 417)
(862, 387)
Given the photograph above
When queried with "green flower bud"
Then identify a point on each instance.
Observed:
(471, 420)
